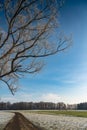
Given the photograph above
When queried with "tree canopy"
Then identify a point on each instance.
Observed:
(31, 26)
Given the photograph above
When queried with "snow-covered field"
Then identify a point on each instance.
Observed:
(48, 122)
(4, 118)
(52, 122)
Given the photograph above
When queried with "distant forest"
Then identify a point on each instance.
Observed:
(41, 106)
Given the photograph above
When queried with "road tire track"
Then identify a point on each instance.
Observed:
(19, 122)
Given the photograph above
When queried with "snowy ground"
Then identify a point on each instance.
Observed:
(4, 118)
(49, 122)
(52, 122)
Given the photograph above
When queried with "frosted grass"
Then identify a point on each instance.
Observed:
(4, 118)
(52, 122)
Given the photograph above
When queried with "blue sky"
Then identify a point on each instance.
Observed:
(64, 76)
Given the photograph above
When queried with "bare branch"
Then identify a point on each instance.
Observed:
(31, 28)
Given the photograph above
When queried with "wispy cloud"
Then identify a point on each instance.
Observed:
(76, 76)
(50, 97)
(17, 98)
(76, 96)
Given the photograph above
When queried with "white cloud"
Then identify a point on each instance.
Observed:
(17, 98)
(74, 94)
(50, 97)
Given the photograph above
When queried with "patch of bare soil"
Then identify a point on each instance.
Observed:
(19, 122)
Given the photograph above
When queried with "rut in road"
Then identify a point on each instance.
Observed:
(19, 122)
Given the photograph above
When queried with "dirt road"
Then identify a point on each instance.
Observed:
(19, 122)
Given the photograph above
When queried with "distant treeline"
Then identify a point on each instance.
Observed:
(41, 106)
(31, 106)
(82, 106)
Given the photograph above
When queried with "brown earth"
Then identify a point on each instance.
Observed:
(19, 122)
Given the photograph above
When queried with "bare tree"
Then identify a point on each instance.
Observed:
(29, 35)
